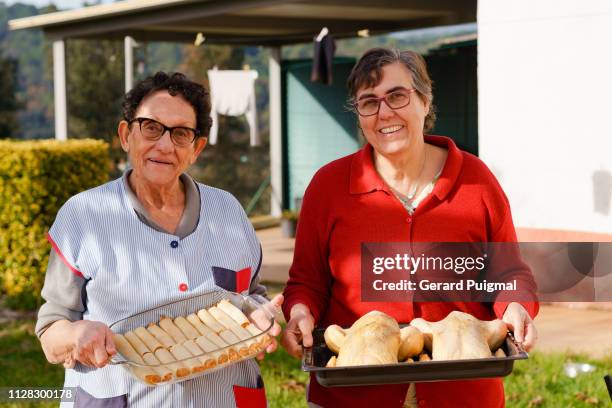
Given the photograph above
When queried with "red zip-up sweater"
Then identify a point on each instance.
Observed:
(348, 203)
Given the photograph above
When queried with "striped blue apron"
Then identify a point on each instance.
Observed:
(130, 267)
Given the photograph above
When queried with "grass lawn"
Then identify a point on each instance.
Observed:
(537, 382)
(22, 362)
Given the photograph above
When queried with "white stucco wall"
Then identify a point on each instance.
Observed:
(545, 109)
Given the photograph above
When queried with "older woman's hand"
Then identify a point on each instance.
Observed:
(299, 330)
(92, 344)
(88, 342)
(520, 323)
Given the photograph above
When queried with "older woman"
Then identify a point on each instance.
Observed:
(153, 236)
(402, 186)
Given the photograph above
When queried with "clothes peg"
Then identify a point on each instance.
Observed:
(322, 34)
(199, 40)
(363, 33)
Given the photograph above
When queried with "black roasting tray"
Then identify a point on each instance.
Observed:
(315, 358)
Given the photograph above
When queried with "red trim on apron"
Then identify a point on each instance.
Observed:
(63, 258)
(250, 397)
(243, 279)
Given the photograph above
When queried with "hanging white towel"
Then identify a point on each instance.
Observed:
(233, 94)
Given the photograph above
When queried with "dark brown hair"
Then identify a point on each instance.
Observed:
(368, 73)
(176, 84)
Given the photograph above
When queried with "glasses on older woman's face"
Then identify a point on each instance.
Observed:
(153, 130)
(370, 105)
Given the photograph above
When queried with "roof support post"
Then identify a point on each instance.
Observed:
(128, 52)
(276, 162)
(59, 89)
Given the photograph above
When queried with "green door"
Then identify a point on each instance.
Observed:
(453, 71)
(317, 127)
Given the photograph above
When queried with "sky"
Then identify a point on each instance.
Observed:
(61, 4)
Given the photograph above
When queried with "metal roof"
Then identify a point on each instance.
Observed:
(252, 22)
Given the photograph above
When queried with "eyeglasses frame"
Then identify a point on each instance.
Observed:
(383, 99)
(196, 132)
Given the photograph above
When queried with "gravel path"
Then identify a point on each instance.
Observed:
(577, 330)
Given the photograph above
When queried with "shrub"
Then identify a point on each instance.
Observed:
(36, 178)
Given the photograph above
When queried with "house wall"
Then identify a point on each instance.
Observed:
(545, 109)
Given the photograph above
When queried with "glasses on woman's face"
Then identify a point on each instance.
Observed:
(370, 105)
(153, 130)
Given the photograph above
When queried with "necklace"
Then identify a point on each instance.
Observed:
(406, 202)
(413, 191)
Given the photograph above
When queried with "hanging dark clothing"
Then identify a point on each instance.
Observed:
(323, 60)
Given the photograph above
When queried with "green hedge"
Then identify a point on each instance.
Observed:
(36, 178)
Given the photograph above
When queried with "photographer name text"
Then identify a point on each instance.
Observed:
(426, 285)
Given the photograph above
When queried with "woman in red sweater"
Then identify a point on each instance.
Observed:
(402, 186)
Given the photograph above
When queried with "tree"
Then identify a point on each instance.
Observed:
(34, 80)
(8, 101)
(232, 164)
(95, 87)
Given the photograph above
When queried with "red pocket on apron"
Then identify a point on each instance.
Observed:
(250, 397)
(243, 279)
(234, 281)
